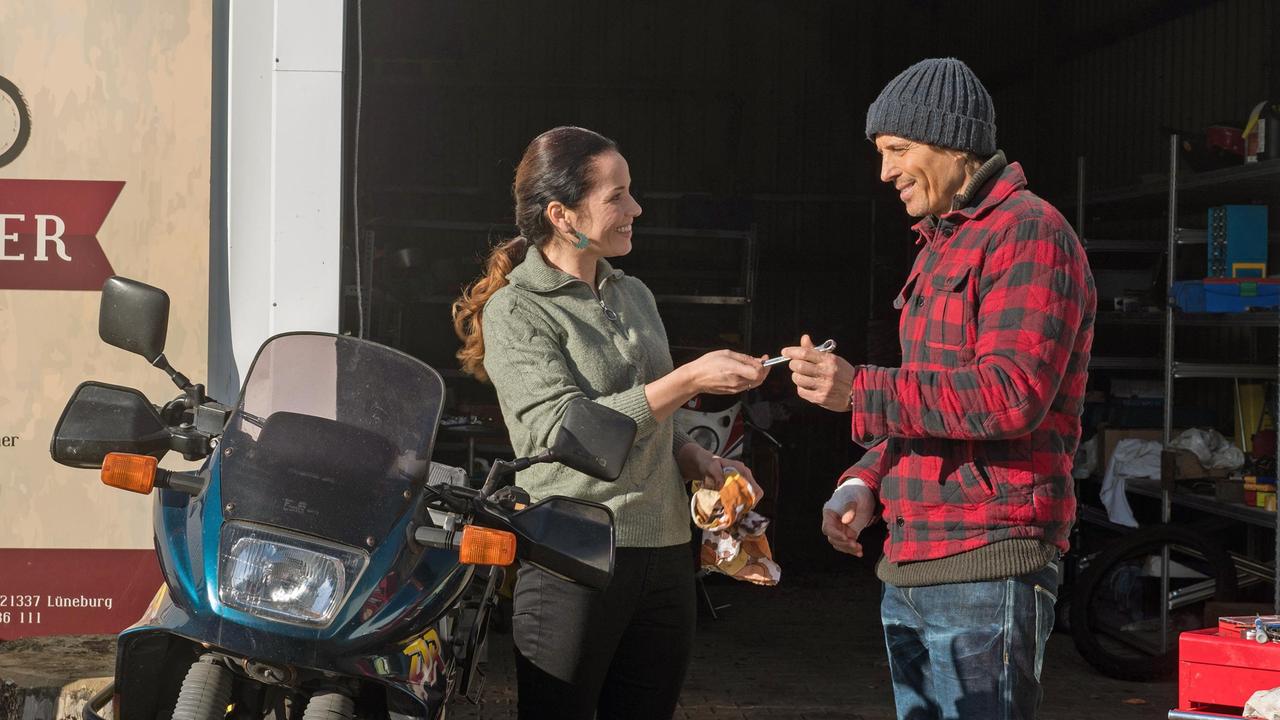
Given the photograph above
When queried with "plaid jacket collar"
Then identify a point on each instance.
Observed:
(991, 185)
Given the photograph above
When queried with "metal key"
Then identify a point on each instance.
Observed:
(827, 346)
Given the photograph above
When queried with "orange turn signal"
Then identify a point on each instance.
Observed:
(135, 473)
(486, 546)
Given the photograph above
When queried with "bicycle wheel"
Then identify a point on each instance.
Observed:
(1115, 611)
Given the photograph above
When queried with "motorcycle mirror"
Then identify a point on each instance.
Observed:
(101, 419)
(134, 316)
(569, 537)
(594, 440)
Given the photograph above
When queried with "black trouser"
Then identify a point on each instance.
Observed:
(621, 652)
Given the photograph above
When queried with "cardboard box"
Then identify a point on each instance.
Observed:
(1229, 490)
(1188, 465)
(1108, 437)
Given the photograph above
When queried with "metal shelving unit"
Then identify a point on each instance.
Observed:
(1103, 245)
(1251, 319)
(1176, 369)
(741, 278)
(1235, 184)
(1106, 246)
(1124, 363)
(1215, 186)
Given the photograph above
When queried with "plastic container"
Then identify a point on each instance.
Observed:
(1240, 295)
(1188, 295)
(1225, 295)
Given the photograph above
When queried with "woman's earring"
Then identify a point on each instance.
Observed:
(583, 241)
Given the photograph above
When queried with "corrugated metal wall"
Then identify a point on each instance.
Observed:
(1207, 65)
(731, 114)
(757, 106)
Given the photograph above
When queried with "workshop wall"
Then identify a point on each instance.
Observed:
(750, 113)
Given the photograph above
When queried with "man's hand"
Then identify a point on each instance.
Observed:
(849, 510)
(821, 378)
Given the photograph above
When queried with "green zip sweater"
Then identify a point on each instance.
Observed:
(548, 339)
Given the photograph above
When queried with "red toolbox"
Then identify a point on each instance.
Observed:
(1218, 673)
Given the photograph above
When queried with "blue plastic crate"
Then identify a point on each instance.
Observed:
(1225, 295)
(1240, 295)
(1187, 295)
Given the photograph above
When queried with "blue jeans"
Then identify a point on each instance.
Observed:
(969, 650)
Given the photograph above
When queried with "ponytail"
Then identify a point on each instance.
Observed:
(557, 166)
(468, 308)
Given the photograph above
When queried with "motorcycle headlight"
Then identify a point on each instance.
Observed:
(285, 577)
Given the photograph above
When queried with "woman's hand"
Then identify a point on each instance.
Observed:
(721, 372)
(698, 464)
(724, 372)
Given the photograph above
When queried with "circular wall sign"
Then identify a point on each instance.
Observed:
(15, 122)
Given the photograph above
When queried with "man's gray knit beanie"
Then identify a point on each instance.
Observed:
(938, 101)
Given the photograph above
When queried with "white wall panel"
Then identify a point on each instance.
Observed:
(284, 169)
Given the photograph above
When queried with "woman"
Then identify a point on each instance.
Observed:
(551, 321)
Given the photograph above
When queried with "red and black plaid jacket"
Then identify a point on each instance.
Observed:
(971, 440)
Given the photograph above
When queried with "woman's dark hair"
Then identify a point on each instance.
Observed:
(557, 165)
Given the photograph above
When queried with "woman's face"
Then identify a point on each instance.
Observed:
(606, 213)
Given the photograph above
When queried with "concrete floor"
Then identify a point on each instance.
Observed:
(812, 649)
(809, 649)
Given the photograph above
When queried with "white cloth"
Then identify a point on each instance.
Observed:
(1264, 704)
(1212, 449)
(1130, 459)
(843, 495)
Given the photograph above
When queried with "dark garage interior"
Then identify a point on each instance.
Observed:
(764, 217)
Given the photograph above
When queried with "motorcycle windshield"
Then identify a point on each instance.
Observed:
(331, 437)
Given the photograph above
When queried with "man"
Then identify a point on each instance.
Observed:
(970, 441)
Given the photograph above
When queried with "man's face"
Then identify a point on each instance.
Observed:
(926, 176)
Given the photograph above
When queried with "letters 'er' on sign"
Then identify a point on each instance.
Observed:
(48, 233)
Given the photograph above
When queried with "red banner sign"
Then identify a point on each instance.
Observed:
(48, 233)
(74, 592)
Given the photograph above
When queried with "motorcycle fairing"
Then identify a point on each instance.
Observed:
(343, 445)
(331, 437)
(381, 633)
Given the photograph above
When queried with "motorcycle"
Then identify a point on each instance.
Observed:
(318, 565)
(719, 424)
